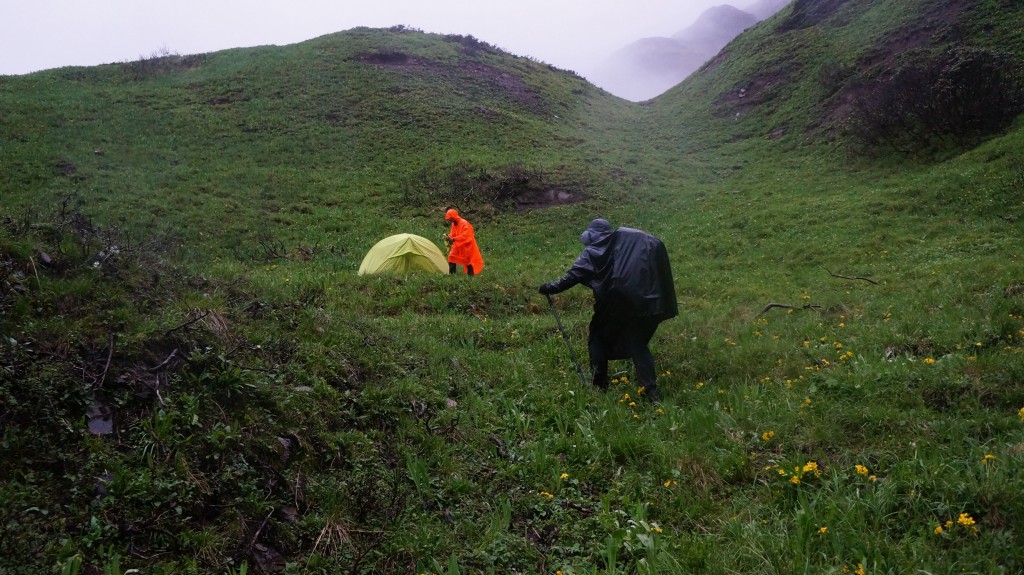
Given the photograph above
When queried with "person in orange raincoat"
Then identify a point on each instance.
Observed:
(464, 251)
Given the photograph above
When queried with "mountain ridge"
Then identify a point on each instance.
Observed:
(648, 67)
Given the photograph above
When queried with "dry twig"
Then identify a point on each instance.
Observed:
(110, 355)
(186, 324)
(869, 280)
(166, 361)
(787, 306)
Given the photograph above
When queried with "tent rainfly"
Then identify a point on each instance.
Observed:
(404, 253)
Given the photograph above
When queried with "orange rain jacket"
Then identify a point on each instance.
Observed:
(464, 250)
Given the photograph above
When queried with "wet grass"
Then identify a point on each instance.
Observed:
(273, 411)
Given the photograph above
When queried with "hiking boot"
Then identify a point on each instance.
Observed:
(651, 393)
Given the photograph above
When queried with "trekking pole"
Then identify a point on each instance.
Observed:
(565, 336)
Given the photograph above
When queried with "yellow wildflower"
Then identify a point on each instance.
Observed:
(1020, 414)
(861, 470)
(812, 467)
(546, 494)
(564, 476)
(929, 360)
(988, 457)
(938, 530)
(873, 478)
(794, 480)
(860, 569)
(767, 436)
(822, 530)
(965, 520)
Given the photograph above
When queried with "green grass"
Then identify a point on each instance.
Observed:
(274, 411)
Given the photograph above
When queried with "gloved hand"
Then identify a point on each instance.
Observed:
(547, 289)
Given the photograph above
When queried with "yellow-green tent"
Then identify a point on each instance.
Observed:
(404, 253)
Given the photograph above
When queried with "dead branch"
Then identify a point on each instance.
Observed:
(256, 536)
(500, 445)
(39, 284)
(273, 248)
(869, 280)
(787, 306)
(307, 254)
(166, 361)
(187, 323)
(110, 355)
(585, 511)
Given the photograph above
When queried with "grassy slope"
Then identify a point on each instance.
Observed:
(385, 425)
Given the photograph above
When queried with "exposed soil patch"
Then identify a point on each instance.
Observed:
(513, 187)
(67, 168)
(933, 27)
(758, 91)
(538, 199)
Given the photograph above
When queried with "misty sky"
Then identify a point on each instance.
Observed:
(570, 34)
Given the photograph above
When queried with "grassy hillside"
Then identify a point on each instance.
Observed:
(294, 136)
(193, 379)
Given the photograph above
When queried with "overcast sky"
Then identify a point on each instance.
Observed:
(570, 34)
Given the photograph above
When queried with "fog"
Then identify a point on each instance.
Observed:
(570, 34)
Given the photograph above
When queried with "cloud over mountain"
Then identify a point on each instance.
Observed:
(650, 66)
